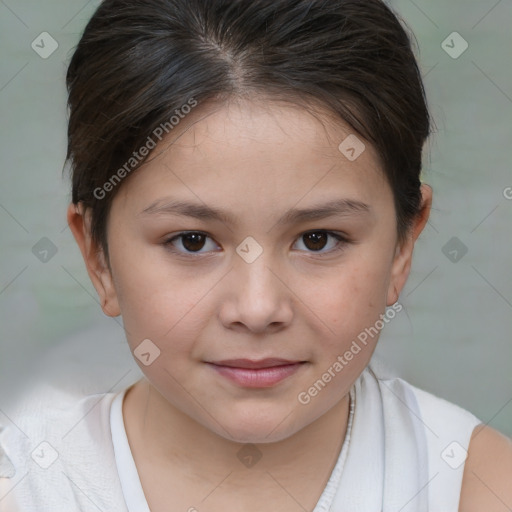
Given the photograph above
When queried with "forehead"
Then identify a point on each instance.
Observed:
(256, 155)
(264, 124)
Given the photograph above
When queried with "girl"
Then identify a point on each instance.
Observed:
(246, 194)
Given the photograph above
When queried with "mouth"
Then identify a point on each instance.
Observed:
(270, 362)
(263, 373)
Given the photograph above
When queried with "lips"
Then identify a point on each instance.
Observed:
(255, 364)
(262, 373)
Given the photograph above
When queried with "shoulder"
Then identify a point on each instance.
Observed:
(487, 472)
(54, 442)
(52, 419)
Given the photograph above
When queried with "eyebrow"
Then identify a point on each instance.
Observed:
(336, 207)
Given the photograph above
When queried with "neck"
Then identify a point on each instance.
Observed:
(171, 439)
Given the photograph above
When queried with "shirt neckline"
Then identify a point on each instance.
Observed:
(131, 486)
(127, 471)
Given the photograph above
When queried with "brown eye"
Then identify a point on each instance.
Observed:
(316, 241)
(193, 241)
(190, 242)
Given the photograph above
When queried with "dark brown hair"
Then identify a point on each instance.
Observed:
(140, 60)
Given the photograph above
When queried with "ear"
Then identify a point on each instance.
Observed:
(79, 220)
(403, 255)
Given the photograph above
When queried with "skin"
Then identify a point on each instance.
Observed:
(256, 160)
(487, 472)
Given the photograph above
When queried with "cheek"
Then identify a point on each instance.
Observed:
(156, 303)
(349, 305)
(356, 294)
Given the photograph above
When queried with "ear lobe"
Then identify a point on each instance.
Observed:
(403, 254)
(79, 220)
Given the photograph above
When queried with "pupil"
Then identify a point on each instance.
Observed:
(196, 242)
(318, 239)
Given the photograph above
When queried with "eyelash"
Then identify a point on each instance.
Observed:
(341, 245)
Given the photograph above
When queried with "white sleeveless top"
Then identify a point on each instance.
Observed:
(404, 451)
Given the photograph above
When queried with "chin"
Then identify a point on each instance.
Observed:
(255, 429)
(254, 436)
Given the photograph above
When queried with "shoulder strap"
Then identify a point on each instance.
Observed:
(407, 449)
(448, 437)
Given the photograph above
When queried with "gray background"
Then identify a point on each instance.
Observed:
(453, 338)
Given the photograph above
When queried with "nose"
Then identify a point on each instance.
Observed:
(257, 298)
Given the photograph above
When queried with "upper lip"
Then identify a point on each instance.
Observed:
(255, 363)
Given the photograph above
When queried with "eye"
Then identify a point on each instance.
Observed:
(317, 240)
(190, 241)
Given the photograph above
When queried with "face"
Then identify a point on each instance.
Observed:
(296, 257)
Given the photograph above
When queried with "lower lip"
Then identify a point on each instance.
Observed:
(257, 378)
